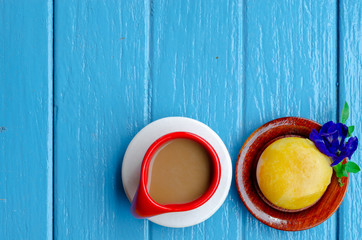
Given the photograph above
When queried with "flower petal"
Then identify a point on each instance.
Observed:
(326, 126)
(337, 160)
(330, 136)
(342, 132)
(334, 146)
(350, 146)
(348, 149)
(319, 143)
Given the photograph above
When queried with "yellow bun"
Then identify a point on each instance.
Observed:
(292, 173)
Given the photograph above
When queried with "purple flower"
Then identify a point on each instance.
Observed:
(331, 141)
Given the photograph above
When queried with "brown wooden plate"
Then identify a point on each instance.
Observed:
(245, 175)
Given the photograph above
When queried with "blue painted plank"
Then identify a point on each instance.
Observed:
(350, 78)
(290, 70)
(26, 143)
(101, 102)
(197, 72)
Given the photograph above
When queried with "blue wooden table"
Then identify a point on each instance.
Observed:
(78, 79)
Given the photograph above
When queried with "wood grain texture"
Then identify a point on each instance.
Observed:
(350, 79)
(101, 99)
(290, 70)
(196, 64)
(26, 112)
(232, 64)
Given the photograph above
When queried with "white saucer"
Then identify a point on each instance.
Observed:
(142, 141)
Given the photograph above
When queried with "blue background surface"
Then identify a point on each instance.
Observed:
(78, 79)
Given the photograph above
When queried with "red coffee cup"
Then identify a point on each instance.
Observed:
(144, 206)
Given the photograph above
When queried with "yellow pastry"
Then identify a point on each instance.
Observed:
(292, 173)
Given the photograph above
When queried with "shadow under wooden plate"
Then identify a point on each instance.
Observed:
(245, 179)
